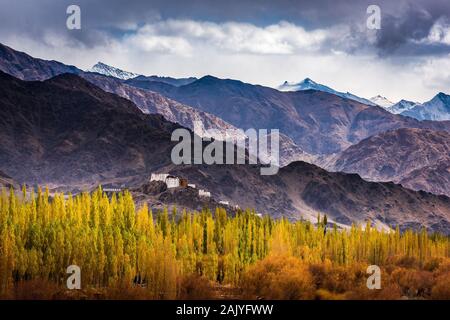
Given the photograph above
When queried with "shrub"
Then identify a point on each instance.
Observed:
(413, 283)
(441, 290)
(195, 287)
(279, 277)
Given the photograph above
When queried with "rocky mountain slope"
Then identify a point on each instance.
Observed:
(25, 67)
(67, 131)
(301, 190)
(417, 158)
(152, 102)
(158, 197)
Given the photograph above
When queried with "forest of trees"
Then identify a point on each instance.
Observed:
(118, 245)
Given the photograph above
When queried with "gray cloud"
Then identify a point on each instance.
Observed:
(403, 32)
(258, 41)
(404, 22)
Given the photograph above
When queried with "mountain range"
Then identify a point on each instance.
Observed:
(308, 84)
(66, 131)
(25, 67)
(14, 62)
(75, 131)
(320, 123)
(437, 109)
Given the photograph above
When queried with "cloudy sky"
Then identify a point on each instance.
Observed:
(256, 41)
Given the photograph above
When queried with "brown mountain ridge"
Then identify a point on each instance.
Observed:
(417, 158)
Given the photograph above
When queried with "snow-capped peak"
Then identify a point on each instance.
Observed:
(308, 84)
(309, 81)
(437, 109)
(381, 101)
(445, 98)
(107, 70)
(402, 106)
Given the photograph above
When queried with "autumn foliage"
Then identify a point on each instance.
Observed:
(129, 252)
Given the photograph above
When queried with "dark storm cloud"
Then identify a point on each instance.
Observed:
(396, 31)
(404, 23)
(404, 30)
